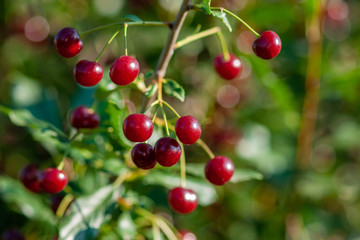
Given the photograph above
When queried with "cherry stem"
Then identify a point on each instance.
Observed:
(201, 143)
(238, 18)
(108, 43)
(143, 23)
(152, 105)
(71, 139)
(125, 38)
(171, 108)
(165, 120)
(155, 113)
(182, 166)
(158, 221)
(64, 205)
(203, 34)
(156, 232)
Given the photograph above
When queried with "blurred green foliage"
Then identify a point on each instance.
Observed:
(254, 120)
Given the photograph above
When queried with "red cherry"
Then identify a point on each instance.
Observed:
(182, 200)
(268, 45)
(29, 176)
(124, 70)
(186, 235)
(228, 69)
(167, 151)
(68, 43)
(83, 117)
(53, 180)
(137, 127)
(88, 73)
(188, 129)
(143, 156)
(219, 170)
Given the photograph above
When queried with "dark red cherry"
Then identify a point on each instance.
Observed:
(53, 180)
(167, 151)
(143, 156)
(29, 176)
(268, 45)
(68, 43)
(83, 117)
(186, 235)
(88, 73)
(188, 129)
(124, 70)
(137, 127)
(219, 170)
(182, 200)
(229, 69)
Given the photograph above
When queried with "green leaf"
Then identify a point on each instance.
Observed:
(206, 6)
(133, 18)
(174, 89)
(151, 90)
(87, 210)
(222, 16)
(205, 191)
(27, 203)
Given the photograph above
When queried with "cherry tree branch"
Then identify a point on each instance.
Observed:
(168, 49)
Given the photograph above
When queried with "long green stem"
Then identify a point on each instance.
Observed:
(206, 33)
(64, 205)
(201, 143)
(108, 43)
(171, 108)
(155, 103)
(71, 139)
(125, 38)
(143, 23)
(165, 120)
(238, 18)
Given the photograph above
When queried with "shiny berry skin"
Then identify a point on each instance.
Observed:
(268, 45)
(219, 170)
(53, 180)
(186, 235)
(124, 70)
(137, 127)
(143, 155)
(188, 129)
(83, 117)
(88, 73)
(228, 69)
(167, 151)
(29, 176)
(68, 43)
(182, 200)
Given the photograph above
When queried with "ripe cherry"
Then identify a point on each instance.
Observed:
(124, 70)
(167, 151)
(83, 117)
(88, 73)
(229, 69)
(53, 180)
(186, 235)
(188, 129)
(137, 127)
(143, 156)
(68, 43)
(29, 176)
(182, 200)
(219, 170)
(268, 45)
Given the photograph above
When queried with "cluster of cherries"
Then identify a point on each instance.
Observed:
(50, 180)
(139, 127)
(125, 69)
